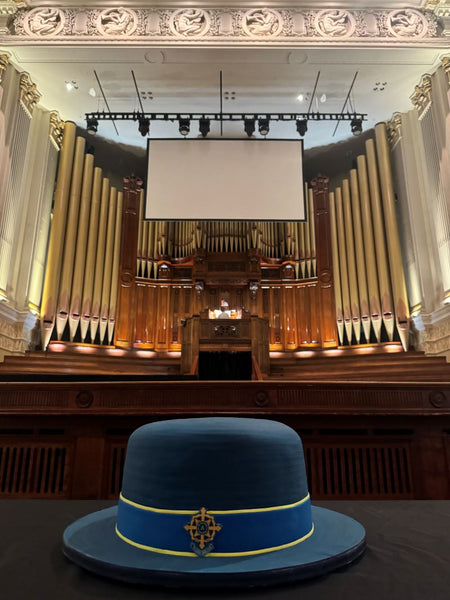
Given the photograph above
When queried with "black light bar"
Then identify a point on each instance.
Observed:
(309, 116)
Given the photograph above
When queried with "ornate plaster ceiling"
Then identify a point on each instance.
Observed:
(181, 75)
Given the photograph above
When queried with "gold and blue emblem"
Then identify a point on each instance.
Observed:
(202, 529)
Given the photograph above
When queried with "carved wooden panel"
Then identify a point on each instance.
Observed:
(364, 469)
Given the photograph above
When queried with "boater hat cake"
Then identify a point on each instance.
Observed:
(214, 502)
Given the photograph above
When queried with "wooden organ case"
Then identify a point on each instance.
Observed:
(178, 272)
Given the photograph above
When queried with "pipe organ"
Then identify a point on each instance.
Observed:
(80, 285)
(114, 278)
(370, 289)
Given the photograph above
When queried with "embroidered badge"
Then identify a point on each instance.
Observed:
(202, 530)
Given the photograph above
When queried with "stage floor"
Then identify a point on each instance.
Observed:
(407, 557)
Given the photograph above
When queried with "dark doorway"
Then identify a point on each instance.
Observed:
(225, 365)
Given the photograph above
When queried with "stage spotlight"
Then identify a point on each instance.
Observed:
(302, 126)
(249, 127)
(184, 126)
(92, 126)
(144, 126)
(204, 126)
(263, 126)
(356, 126)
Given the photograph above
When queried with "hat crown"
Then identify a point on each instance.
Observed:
(222, 463)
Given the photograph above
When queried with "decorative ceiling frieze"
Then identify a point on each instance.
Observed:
(255, 26)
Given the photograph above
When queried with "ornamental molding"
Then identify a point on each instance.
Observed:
(7, 9)
(251, 26)
(394, 130)
(28, 94)
(422, 98)
(4, 61)
(56, 131)
(16, 330)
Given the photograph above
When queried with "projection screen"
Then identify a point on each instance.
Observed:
(225, 179)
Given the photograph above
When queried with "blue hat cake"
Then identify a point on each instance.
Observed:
(214, 502)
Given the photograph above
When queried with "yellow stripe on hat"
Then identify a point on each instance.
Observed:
(213, 512)
(214, 554)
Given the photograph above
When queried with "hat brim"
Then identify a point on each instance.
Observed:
(92, 543)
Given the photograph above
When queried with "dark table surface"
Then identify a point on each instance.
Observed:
(407, 557)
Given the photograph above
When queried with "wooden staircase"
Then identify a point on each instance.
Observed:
(376, 365)
(65, 361)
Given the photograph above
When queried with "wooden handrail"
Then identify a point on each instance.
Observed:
(256, 370)
(194, 366)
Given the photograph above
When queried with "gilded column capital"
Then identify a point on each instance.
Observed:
(421, 98)
(4, 61)
(394, 130)
(56, 130)
(28, 94)
(433, 4)
(446, 67)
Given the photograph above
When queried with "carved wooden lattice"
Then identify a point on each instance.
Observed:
(34, 470)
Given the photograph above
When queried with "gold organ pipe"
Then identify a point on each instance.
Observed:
(289, 245)
(346, 308)
(281, 234)
(150, 247)
(156, 249)
(115, 269)
(142, 263)
(57, 232)
(109, 249)
(296, 245)
(351, 261)
(359, 252)
(88, 284)
(162, 246)
(380, 247)
(302, 251)
(312, 232)
(307, 234)
(336, 270)
(170, 227)
(221, 235)
(80, 253)
(253, 241)
(65, 286)
(274, 240)
(199, 234)
(140, 236)
(392, 237)
(369, 247)
(99, 260)
(204, 236)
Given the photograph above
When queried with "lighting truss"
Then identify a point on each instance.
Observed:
(309, 116)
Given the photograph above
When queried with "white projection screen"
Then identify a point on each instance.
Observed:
(225, 179)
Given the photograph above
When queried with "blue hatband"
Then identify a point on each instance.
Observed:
(239, 532)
